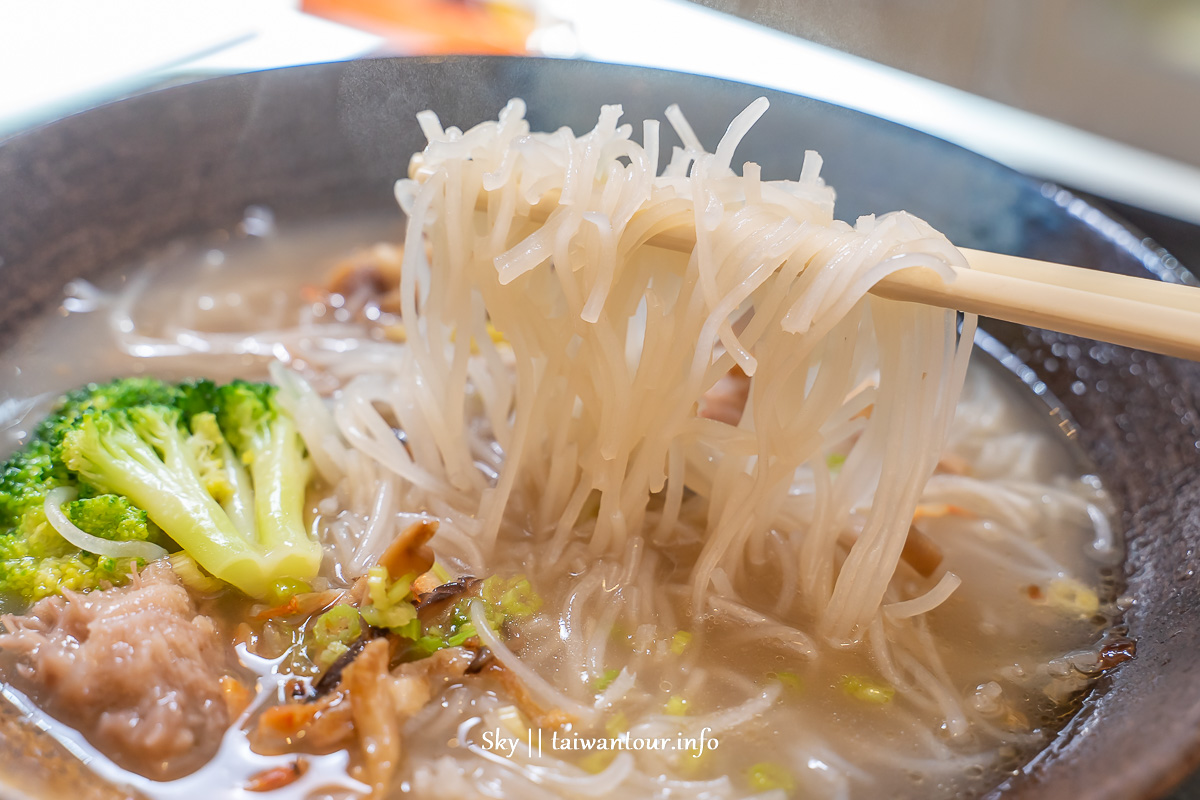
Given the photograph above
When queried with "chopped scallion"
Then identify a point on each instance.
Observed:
(867, 690)
(605, 680)
(766, 775)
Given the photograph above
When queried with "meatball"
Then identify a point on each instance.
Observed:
(135, 669)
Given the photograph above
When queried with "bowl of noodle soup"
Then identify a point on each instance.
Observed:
(193, 232)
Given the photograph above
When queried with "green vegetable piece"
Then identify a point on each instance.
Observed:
(213, 458)
(328, 655)
(397, 618)
(605, 680)
(621, 635)
(694, 760)
(285, 589)
(426, 645)
(766, 775)
(867, 690)
(391, 604)
(189, 572)
(460, 637)
(338, 624)
(35, 561)
(110, 516)
(680, 642)
(384, 592)
(503, 600)
(597, 761)
(221, 470)
(25, 479)
(515, 598)
(35, 577)
(122, 393)
(332, 634)
(677, 706)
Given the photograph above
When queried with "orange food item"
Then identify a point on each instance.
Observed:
(236, 694)
(934, 510)
(304, 604)
(434, 26)
(410, 552)
(277, 777)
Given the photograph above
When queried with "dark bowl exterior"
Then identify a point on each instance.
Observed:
(95, 190)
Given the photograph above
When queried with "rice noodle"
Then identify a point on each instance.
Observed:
(588, 308)
(926, 602)
(533, 682)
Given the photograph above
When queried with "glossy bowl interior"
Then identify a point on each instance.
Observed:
(96, 190)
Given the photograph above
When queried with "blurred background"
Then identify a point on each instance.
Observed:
(1126, 69)
(1100, 96)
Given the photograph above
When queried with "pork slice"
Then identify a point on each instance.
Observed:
(135, 669)
(726, 400)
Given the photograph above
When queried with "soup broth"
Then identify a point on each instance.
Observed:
(639, 693)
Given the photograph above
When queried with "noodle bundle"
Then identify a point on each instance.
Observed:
(610, 344)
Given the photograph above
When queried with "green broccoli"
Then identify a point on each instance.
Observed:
(119, 393)
(24, 480)
(112, 517)
(220, 470)
(34, 560)
(225, 483)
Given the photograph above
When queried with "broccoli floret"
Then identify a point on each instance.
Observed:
(221, 470)
(24, 480)
(120, 393)
(110, 516)
(34, 560)
(35, 577)
(151, 460)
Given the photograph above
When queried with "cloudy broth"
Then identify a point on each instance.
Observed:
(743, 697)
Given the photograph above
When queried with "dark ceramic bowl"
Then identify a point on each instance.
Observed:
(98, 189)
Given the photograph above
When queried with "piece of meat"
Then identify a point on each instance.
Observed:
(135, 669)
(440, 669)
(322, 726)
(367, 707)
(370, 276)
(277, 777)
(410, 553)
(726, 400)
(921, 553)
(513, 688)
(376, 714)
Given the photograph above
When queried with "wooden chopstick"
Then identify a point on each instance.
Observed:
(1134, 312)
(1119, 309)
